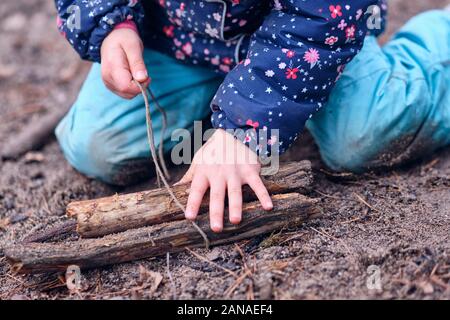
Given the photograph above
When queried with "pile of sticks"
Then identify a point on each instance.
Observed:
(145, 224)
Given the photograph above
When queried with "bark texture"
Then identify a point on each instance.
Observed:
(289, 209)
(118, 213)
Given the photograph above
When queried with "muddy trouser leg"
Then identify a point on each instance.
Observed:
(104, 136)
(391, 104)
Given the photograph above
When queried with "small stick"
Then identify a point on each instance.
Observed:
(33, 136)
(15, 278)
(431, 164)
(434, 270)
(212, 263)
(26, 110)
(61, 229)
(238, 281)
(163, 130)
(169, 275)
(326, 234)
(244, 259)
(366, 203)
(439, 282)
(330, 196)
(159, 171)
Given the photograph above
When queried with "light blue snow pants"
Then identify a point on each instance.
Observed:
(390, 105)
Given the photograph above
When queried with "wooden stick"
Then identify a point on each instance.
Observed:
(118, 213)
(291, 208)
(33, 136)
(49, 233)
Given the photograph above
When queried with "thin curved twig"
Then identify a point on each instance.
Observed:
(154, 155)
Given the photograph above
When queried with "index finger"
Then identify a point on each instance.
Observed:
(198, 188)
(261, 192)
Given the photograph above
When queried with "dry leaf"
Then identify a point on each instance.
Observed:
(149, 278)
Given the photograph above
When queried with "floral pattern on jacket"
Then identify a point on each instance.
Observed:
(281, 57)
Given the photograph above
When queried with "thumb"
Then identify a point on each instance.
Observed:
(187, 176)
(136, 62)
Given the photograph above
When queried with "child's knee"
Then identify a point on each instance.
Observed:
(349, 153)
(419, 44)
(91, 152)
(104, 152)
(358, 137)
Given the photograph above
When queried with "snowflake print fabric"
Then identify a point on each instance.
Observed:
(281, 58)
(85, 23)
(304, 46)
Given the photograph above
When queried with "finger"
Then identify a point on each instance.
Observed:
(112, 86)
(106, 71)
(198, 188)
(187, 176)
(234, 188)
(113, 67)
(136, 63)
(216, 204)
(260, 190)
(117, 75)
(123, 85)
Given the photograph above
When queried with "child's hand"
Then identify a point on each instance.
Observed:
(121, 61)
(223, 163)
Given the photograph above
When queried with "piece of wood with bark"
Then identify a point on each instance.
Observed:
(50, 233)
(118, 213)
(34, 135)
(289, 209)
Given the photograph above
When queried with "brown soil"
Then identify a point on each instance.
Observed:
(396, 220)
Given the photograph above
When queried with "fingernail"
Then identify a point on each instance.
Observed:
(140, 75)
(235, 220)
(190, 215)
(216, 227)
(269, 205)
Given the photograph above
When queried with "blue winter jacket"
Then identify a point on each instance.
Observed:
(281, 57)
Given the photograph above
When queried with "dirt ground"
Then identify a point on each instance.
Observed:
(397, 221)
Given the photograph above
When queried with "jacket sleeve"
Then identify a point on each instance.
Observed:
(86, 23)
(293, 62)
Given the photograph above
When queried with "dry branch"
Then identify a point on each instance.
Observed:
(52, 232)
(291, 208)
(33, 136)
(118, 213)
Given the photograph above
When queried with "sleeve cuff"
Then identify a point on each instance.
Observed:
(108, 23)
(129, 24)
